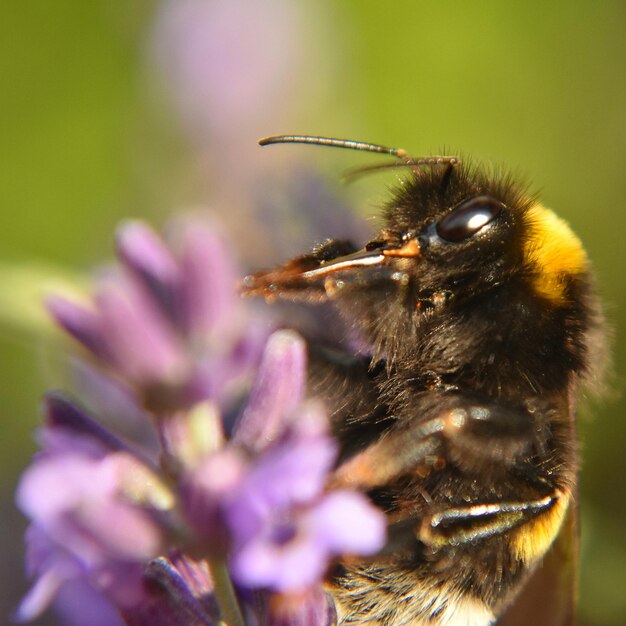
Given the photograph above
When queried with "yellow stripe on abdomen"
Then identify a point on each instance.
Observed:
(532, 540)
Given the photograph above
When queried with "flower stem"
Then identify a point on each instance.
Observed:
(225, 594)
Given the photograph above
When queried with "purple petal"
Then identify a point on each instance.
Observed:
(247, 349)
(347, 523)
(289, 473)
(139, 340)
(52, 567)
(223, 373)
(74, 500)
(70, 430)
(39, 597)
(60, 572)
(292, 552)
(49, 487)
(60, 412)
(277, 391)
(123, 532)
(150, 261)
(78, 603)
(81, 323)
(206, 493)
(142, 250)
(121, 581)
(208, 281)
(293, 566)
(116, 404)
(294, 470)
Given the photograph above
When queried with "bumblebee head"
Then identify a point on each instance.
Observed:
(465, 232)
(452, 236)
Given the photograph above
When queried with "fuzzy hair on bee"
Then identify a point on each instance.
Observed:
(478, 308)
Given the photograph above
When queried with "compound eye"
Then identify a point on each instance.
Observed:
(467, 218)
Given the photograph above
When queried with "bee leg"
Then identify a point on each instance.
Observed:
(461, 442)
(458, 526)
(399, 452)
(298, 278)
(464, 433)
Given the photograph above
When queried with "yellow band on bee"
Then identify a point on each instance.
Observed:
(532, 540)
(553, 252)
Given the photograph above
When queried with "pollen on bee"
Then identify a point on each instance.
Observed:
(455, 419)
(333, 285)
(400, 277)
(435, 461)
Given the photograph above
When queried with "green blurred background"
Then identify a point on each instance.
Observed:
(96, 126)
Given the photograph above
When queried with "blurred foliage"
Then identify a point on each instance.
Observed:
(87, 138)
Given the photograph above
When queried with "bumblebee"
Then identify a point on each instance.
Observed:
(481, 322)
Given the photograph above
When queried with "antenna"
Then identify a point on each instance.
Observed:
(347, 144)
(413, 162)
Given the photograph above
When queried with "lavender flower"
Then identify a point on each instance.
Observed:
(223, 523)
(167, 326)
(285, 528)
(85, 523)
(216, 60)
